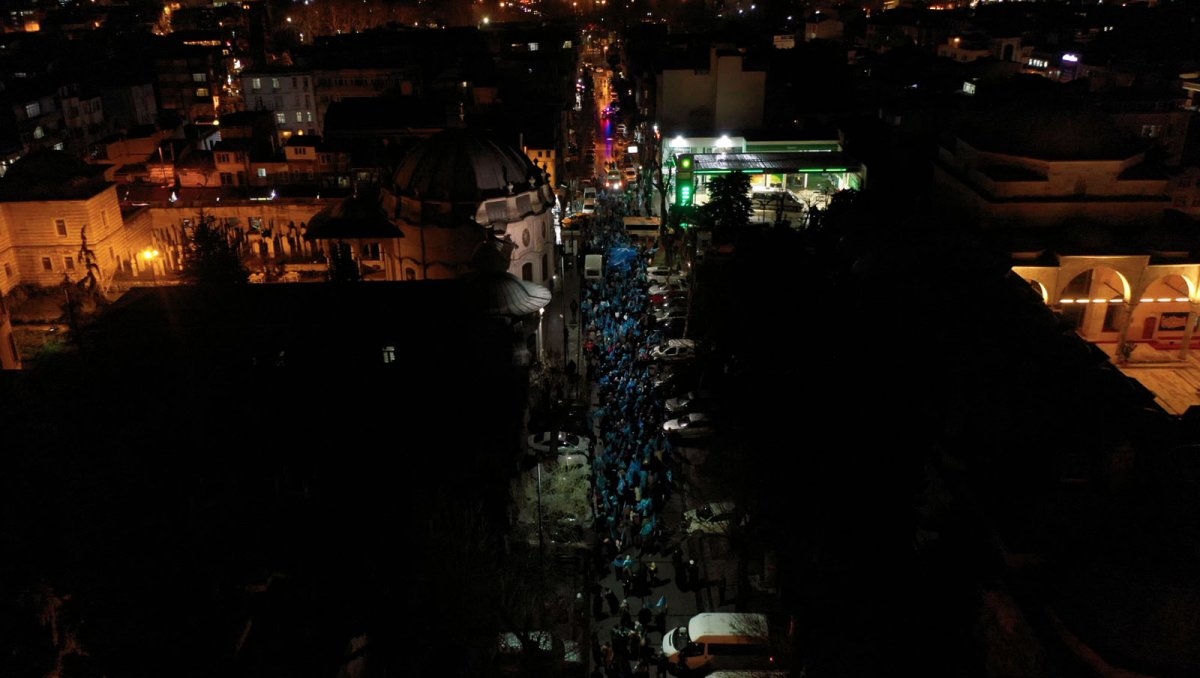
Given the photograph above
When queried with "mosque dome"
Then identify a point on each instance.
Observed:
(461, 165)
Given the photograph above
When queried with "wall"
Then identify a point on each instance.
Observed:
(739, 96)
(685, 100)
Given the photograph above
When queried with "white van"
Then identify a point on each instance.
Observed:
(593, 266)
(711, 637)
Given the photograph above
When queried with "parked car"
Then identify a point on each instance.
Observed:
(672, 329)
(589, 192)
(674, 350)
(572, 448)
(675, 284)
(661, 275)
(691, 401)
(666, 315)
(691, 425)
(589, 206)
(712, 518)
(630, 174)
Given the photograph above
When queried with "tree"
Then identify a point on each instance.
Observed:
(210, 259)
(729, 208)
(342, 266)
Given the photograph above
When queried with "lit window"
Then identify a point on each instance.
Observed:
(299, 116)
(60, 227)
(38, 133)
(33, 110)
(199, 77)
(255, 84)
(281, 118)
(533, 47)
(274, 83)
(201, 91)
(389, 354)
(58, 146)
(308, 116)
(262, 172)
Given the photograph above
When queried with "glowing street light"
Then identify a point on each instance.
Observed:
(150, 254)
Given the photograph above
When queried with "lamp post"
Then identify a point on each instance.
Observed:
(149, 255)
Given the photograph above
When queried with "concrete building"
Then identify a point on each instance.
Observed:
(1030, 169)
(288, 94)
(50, 203)
(722, 93)
(189, 78)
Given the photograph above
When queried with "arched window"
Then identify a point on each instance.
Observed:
(527, 272)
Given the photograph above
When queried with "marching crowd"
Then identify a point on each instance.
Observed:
(632, 474)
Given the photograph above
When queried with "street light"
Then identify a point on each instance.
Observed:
(150, 254)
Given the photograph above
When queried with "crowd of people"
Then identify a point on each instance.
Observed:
(632, 474)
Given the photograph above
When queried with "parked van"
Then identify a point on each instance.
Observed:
(711, 637)
(593, 266)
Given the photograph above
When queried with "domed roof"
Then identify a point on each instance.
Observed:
(352, 217)
(464, 165)
(502, 293)
(50, 175)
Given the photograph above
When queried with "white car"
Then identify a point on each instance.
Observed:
(673, 352)
(694, 425)
(572, 448)
(692, 400)
(589, 205)
(661, 275)
(712, 518)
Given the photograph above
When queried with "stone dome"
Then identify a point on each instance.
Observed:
(463, 165)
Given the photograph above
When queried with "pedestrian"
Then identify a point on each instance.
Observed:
(664, 665)
(611, 599)
(607, 653)
(660, 616)
(677, 565)
(626, 618)
(597, 650)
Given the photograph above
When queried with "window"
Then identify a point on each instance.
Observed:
(410, 274)
(1152, 131)
(533, 47)
(47, 265)
(281, 118)
(38, 133)
(33, 110)
(8, 270)
(255, 84)
(201, 92)
(307, 101)
(104, 218)
(294, 81)
(262, 172)
(527, 272)
(370, 250)
(274, 83)
(222, 157)
(199, 77)
(60, 227)
(58, 146)
(70, 262)
(299, 116)
(389, 353)
(308, 116)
